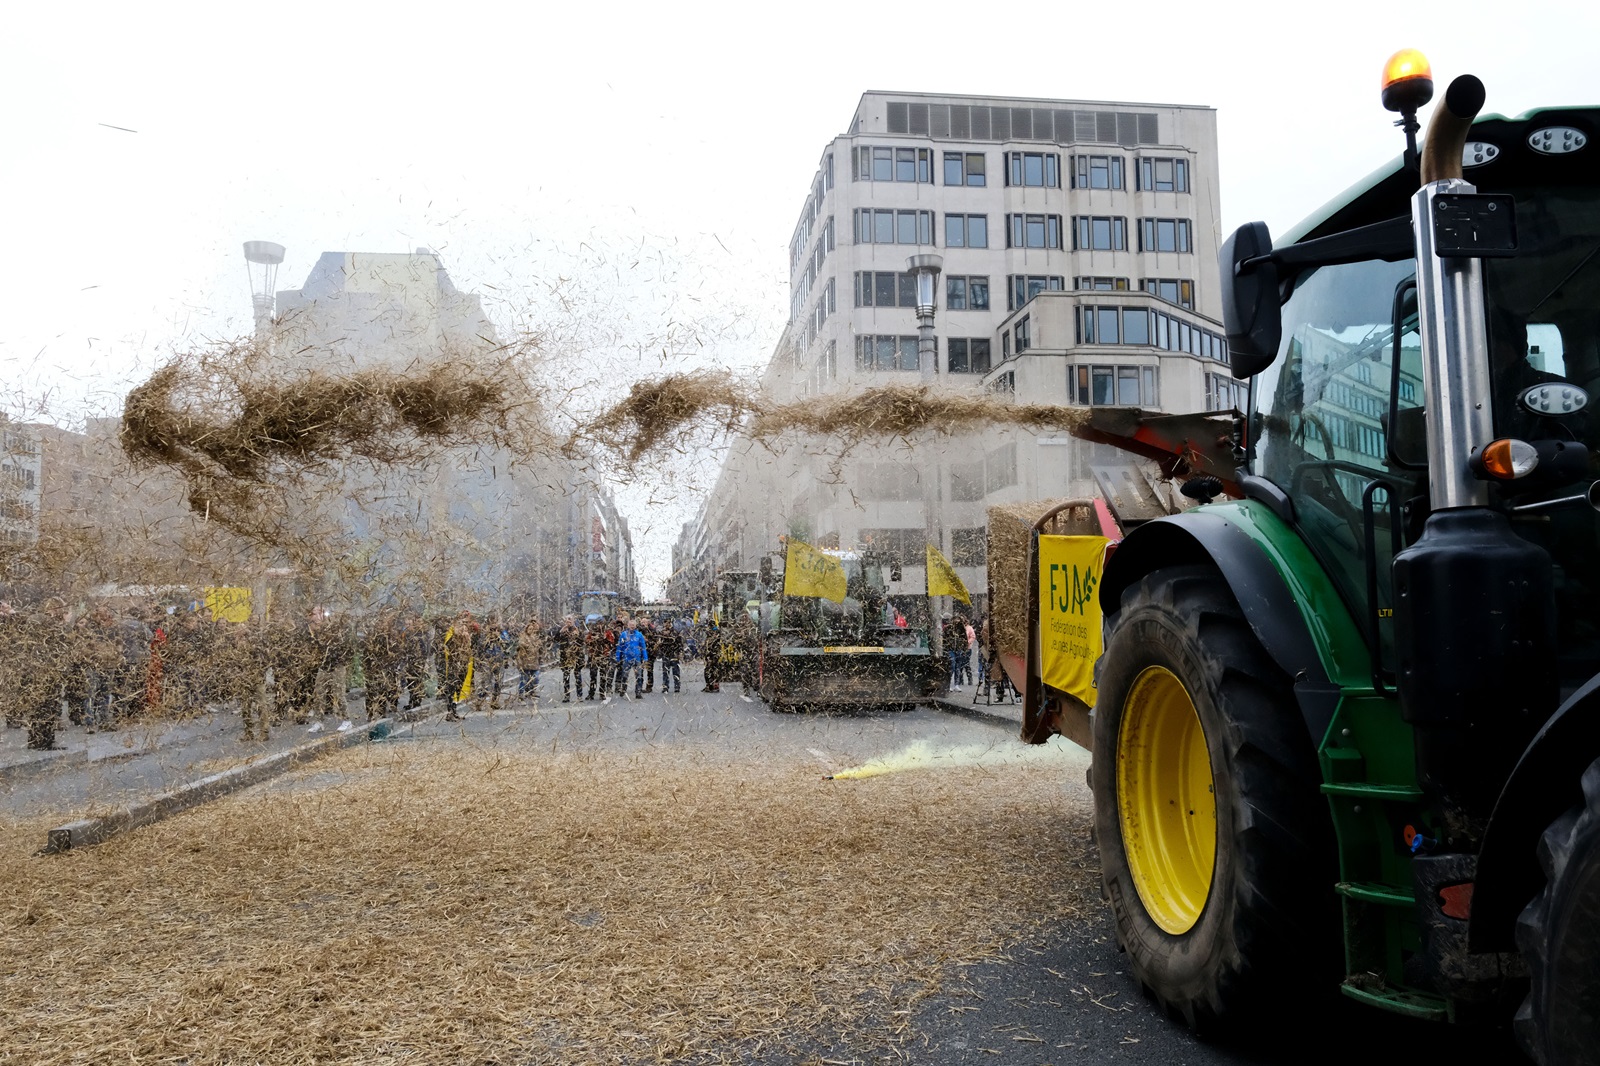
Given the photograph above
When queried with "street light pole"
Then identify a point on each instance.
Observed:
(926, 267)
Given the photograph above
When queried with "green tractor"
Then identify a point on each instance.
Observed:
(1357, 706)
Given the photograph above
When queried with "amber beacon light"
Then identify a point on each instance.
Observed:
(1407, 81)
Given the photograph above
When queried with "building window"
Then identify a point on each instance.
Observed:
(967, 355)
(1178, 291)
(969, 547)
(1024, 333)
(1117, 325)
(1040, 169)
(888, 482)
(1033, 231)
(1004, 383)
(893, 164)
(966, 231)
(880, 226)
(1101, 284)
(966, 292)
(827, 171)
(1097, 172)
(909, 544)
(964, 168)
(1000, 465)
(885, 288)
(966, 481)
(1173, 334)
(1099, 234)
(1163, 175)
(874, 353)
(1020, 288)
(1116, 386)
(1164, 235)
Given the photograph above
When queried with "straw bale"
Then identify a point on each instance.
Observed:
(1009, 540)
(521, 907)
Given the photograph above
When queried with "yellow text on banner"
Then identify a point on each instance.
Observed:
(1069, 612)
(943, 579)
(809, 572)
(228, 604)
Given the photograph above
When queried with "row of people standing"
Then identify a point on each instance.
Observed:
(611, 652)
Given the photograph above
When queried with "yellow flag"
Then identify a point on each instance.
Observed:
(943, 579)
(1069, 612)
(228, 604)
(809, 572)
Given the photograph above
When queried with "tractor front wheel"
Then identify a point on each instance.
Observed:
(1559, 934)
(1215, 844)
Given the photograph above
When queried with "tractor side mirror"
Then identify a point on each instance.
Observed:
(1251, 311)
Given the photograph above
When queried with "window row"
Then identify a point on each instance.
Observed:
(883, 226)
(983, 122)
(995, 470)
(1165, 235)
(1138, 325)
(893, 164)
(1340, 394)
(886, 353)
(963, 355)
(1115, 386)
(1225, 394)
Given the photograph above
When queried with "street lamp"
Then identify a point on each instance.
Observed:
(926, 268)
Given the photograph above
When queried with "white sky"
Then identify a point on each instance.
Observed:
(653, 156)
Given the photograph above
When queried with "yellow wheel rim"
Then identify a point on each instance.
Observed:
(1165, 800)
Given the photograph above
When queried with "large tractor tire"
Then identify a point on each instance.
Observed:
(1559, 934)
(1215, 842)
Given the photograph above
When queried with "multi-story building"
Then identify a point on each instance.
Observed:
(513, 527)
(1079, 245)
(20, 484)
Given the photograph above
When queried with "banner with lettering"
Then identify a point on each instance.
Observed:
(228, 604)
(1069, 612)
(809, 572)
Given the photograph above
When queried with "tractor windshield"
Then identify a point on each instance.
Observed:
(1322, 428)
(1544, 326)
(868, 615)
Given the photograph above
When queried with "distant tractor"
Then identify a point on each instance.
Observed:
(1346, 724)
(869, 648)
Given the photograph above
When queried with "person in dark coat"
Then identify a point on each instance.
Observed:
(669, 649)
(569, 650)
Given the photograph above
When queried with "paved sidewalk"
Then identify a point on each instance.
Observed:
(96, 771)
(974, 704)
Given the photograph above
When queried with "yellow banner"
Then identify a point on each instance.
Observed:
(1069, 612)
(809, 572)
(228, 604)
(943, 579)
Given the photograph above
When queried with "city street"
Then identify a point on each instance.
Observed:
(1027, 971)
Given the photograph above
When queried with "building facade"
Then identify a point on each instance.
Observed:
(21, 484)
(1079, 245)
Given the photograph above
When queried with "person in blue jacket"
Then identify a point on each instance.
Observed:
(631, 658)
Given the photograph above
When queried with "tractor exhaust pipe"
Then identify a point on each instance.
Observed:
(1447, 132)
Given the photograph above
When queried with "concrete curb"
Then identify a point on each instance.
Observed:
(89, 831)
(45, 762)
(977, 712)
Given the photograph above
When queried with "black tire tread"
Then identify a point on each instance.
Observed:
(1574, 836)
(1282, 902)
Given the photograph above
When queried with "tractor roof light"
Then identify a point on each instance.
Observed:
(1407, 81)
(1506, 459)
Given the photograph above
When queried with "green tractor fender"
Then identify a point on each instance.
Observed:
(1543, 784)
(1287, 599)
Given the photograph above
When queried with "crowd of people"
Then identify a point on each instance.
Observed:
(103, 666)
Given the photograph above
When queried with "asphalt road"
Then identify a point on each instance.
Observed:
(1064, 995)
